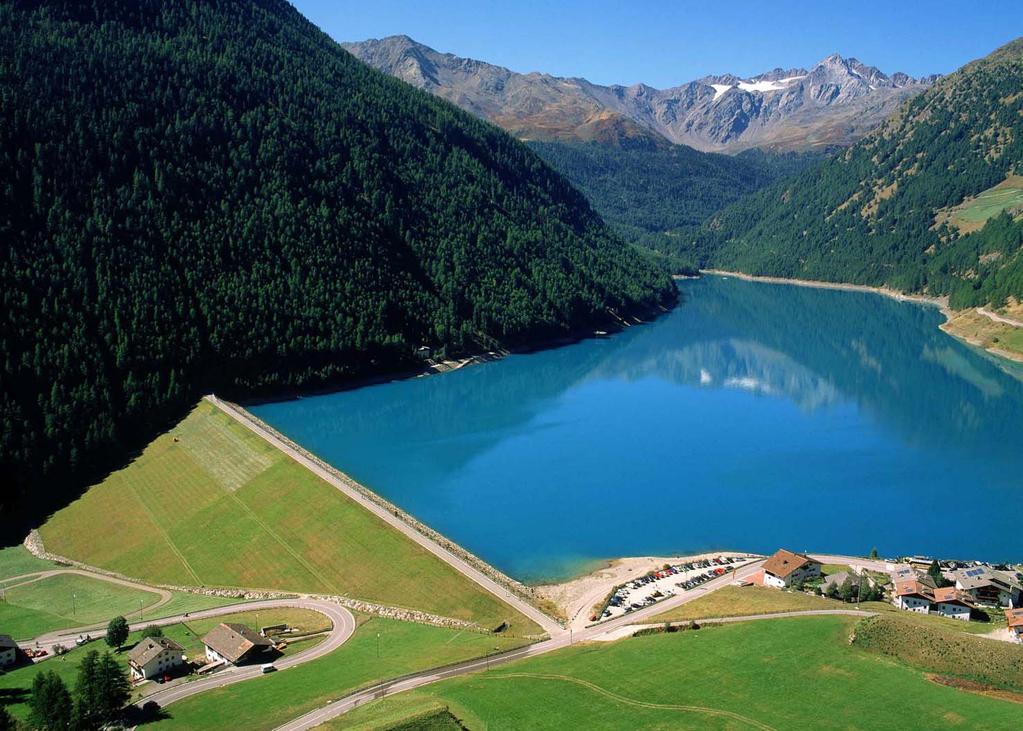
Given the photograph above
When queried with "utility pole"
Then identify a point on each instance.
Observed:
(378, 645)
(74, 609)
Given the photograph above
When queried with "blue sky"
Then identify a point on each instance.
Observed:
(664, 43)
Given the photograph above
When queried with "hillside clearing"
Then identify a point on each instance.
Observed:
(210, 503)
(973, 213)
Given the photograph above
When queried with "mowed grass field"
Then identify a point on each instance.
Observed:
(209, 503)
(66, 600)
(971, 215)
(379, 649)
(16, 684)
(778, 674)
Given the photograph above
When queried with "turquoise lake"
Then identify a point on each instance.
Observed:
(753, 416)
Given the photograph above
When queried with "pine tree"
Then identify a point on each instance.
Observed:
(50, 703)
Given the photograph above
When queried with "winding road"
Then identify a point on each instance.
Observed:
(561, 640)
(343, 628)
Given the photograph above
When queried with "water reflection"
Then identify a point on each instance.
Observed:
(742, 419)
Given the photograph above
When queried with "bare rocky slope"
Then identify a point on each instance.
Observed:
(835, 102)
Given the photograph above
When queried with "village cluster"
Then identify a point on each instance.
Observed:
(958, 590)
(951, 589)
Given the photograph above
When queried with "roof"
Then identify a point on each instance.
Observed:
(1014, 617)
(234, 641)
(914, 588)
(6, 642)
(783, 563)
(950, 595)
(150, 647)
(838, 578)
(979, 577)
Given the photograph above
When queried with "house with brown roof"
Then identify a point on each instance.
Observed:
(8, 651)
(154, 657)
(235, 644)
(950, 602)
(786, 568)
(1014, 618)
(914, 596)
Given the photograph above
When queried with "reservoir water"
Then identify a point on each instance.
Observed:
(751, 417)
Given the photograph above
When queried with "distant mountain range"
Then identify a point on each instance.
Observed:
(929, 203)
(834, 103)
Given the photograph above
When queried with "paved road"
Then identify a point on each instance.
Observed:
(462, 566)
(342, 630)
(632, 628)
(63, 636)
(400, 685)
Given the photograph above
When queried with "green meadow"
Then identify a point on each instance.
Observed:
(66, 600)
(972, 214)
(15, 685)
(777, 674)
(379, 649)
(209, 503)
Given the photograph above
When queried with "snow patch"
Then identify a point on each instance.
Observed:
(764, 86)
(720, 89)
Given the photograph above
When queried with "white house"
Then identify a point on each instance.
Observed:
(235, 644)
(786, 568)
(913, 596)
(950, 602)
(1014, 618)
(153, 657)
(8, 651)
(988, 586)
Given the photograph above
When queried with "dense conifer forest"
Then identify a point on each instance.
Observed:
(875, 214)
(657, 196)
(211, 195)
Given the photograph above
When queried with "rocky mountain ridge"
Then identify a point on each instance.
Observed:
(834, 103)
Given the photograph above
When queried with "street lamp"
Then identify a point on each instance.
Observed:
(74, 610)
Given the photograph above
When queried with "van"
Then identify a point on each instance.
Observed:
(267, 668)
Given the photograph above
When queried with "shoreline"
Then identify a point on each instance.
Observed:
(948, 327)
(615, 324)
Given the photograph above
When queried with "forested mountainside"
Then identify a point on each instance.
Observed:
(212, 195)
(899, 208)
(656, 196)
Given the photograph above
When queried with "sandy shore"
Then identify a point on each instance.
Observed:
(577, 597)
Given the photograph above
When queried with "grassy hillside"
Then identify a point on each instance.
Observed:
(942, 650)
(209, 503)
(211, 195)
(778, 674)
(926, 203)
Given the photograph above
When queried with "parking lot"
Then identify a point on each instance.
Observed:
(667, 582)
